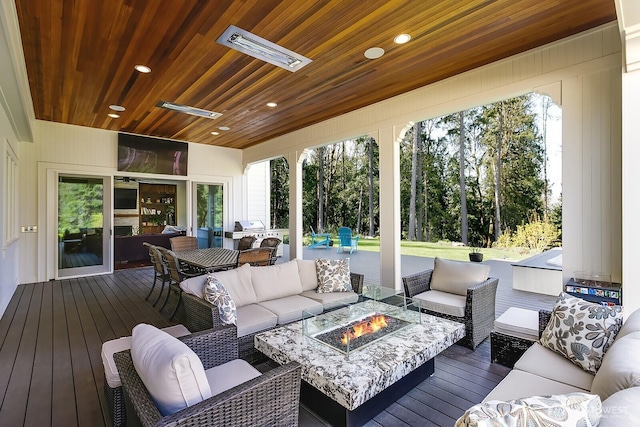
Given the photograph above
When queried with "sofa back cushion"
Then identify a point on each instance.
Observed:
(238, 284)
(455, 277)
(631, 324)
(276, 281)
(308, 275)
(620, 367)
(171, 372)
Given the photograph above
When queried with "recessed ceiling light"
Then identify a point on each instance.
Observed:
(272, 104)
(143, 69)
(402, 38)
(224, 128)
(116, 107)
(215, 133)
(374, 52)
(113, 115)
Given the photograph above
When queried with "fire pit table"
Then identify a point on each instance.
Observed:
(348, 378)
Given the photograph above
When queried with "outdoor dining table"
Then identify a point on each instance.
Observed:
(209, 259)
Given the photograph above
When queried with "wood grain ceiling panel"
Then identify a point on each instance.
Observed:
(80, 57)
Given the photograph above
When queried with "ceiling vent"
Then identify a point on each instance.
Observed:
(245, 42)
(189, 110)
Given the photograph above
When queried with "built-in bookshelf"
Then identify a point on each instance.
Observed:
(157, 207)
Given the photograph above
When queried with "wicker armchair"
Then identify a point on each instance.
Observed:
(202, 315)
(480, 307)
(257, 257)
(270, 399)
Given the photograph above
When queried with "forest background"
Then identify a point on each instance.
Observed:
(484, 177)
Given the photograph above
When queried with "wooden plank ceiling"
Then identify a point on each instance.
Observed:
(80, 57)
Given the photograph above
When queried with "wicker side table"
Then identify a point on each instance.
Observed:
(514, 332)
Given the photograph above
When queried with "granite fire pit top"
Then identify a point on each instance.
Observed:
(369, 370)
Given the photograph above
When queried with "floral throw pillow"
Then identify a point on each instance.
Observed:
(582, 331)
(573, 409)
(333, 275)
(217, 294)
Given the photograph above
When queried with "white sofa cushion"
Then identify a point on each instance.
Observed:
(543, 362)
(620, 367)
(308, 275)
(253, 318)
(621, 409)
(572, 409)
(289, 309)
(109, 348)
(332, 299)
(236, 281)
(276, 281)
(581, 331)
(228, 375)
(442, 302)
(455, 276)
(519, 384)
(518, 322)
(631, 324)
(171, 372)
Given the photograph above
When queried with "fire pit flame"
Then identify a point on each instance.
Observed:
(368, 326)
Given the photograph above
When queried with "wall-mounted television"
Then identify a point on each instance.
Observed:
(125, 198)
(151, 155)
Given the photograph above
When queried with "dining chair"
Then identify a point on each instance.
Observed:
(176, 275)
(183, 243)
(246, 242)
(257, 257)
(271, 242)
(159, 270)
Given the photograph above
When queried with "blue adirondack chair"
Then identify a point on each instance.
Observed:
(347, 240)
(319, 239)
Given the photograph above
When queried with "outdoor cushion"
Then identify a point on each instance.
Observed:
(581, 331)
(228, 375)
(518, 322)
(631, 324)
(549, 364)
(621, 409)
(455, 277)
(442, 302)
(332, 299)
(171, 372)
(333, 275)
(236, 281)
(217, 294)
(289, 309)
(308, 274)
(112, 347)
(572, 409)
(276, 281)
(619, 369)
(519, 384)
(253, 318)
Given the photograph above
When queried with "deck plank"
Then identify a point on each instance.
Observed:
(63, 400)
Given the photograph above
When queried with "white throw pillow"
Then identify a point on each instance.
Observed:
(217, 294)
(455, 277)
(333, 275)
(581, 331)
(620, 367)
(172, 373)
(573, 409)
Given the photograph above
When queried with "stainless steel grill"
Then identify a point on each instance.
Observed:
(257, 229)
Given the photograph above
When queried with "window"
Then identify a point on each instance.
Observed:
(10, 196)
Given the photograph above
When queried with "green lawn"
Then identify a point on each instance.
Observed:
(444, 250)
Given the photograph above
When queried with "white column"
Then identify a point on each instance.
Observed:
(295, 204)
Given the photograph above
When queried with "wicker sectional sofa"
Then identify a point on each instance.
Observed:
(541, 371)
(265, 297)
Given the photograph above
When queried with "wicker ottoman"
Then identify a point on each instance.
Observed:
(513, 333)
(112, 385)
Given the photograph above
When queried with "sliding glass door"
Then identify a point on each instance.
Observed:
(209, 212)
(83, 225)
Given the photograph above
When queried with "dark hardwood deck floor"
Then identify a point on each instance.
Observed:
(51, 371)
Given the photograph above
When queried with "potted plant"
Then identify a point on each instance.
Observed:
(475, 255)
